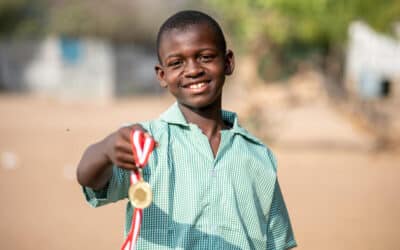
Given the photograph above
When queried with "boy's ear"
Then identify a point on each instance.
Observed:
(160, 75)
(229, 62)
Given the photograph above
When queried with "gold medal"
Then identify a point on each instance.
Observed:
(140, 194)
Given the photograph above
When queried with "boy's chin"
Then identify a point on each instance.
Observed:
(200, 105)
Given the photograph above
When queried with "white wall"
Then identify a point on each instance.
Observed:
(92, 75)
(372, 58)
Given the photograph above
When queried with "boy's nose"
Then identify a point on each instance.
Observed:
(193, 69)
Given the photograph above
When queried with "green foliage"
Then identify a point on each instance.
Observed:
(319, 23)
(281, 34)
(21, 18)
(257, 24)
(116, 20)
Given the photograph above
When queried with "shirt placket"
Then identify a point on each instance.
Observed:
(214, 187)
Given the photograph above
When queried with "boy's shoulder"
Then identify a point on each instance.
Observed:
(252, 139)
(233, 119)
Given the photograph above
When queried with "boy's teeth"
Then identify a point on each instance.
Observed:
(197, 85)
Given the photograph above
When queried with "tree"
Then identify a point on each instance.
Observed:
(289, 30)
(21, 18)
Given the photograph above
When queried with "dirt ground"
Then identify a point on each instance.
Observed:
(340, 193)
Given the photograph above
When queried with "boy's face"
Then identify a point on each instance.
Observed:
(192, 67)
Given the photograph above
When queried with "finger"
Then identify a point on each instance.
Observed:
(138, 127)
(126, 134)
(126, 131)
(124, 146)
(127, 166)
(124, 158)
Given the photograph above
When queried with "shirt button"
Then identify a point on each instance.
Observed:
(213, 173)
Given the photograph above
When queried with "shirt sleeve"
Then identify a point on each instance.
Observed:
(279, 232)
(115, 190)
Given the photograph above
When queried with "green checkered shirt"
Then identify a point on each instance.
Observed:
(231, 201)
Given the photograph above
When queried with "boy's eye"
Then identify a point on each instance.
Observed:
(174, 63)
(206, 58)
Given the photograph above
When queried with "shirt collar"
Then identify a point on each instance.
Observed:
(173, 115)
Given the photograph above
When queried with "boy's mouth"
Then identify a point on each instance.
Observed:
(196, 85)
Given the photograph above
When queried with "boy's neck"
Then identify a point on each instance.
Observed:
(208, 119)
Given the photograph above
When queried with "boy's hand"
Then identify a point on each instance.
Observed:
(94, 169)
(119, 149)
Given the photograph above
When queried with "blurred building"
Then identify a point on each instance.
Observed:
(373, 63)
(76, 68)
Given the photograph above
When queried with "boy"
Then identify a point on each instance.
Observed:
(214, 185)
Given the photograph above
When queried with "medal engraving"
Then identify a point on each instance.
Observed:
(140, 194)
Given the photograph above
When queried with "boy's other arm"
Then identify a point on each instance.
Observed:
(95, 167)
(279, 229)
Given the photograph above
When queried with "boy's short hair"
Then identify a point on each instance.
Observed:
(183, 19)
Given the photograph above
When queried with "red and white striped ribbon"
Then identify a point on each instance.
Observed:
(142, 146)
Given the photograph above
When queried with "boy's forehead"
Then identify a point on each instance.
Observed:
(190, 33)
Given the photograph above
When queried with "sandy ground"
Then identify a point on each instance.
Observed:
(340, 194)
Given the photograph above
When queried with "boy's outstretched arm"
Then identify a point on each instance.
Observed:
(95, 167)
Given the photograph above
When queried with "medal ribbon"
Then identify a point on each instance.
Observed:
(142, 146)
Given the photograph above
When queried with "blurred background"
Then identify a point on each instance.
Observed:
(317, 80)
